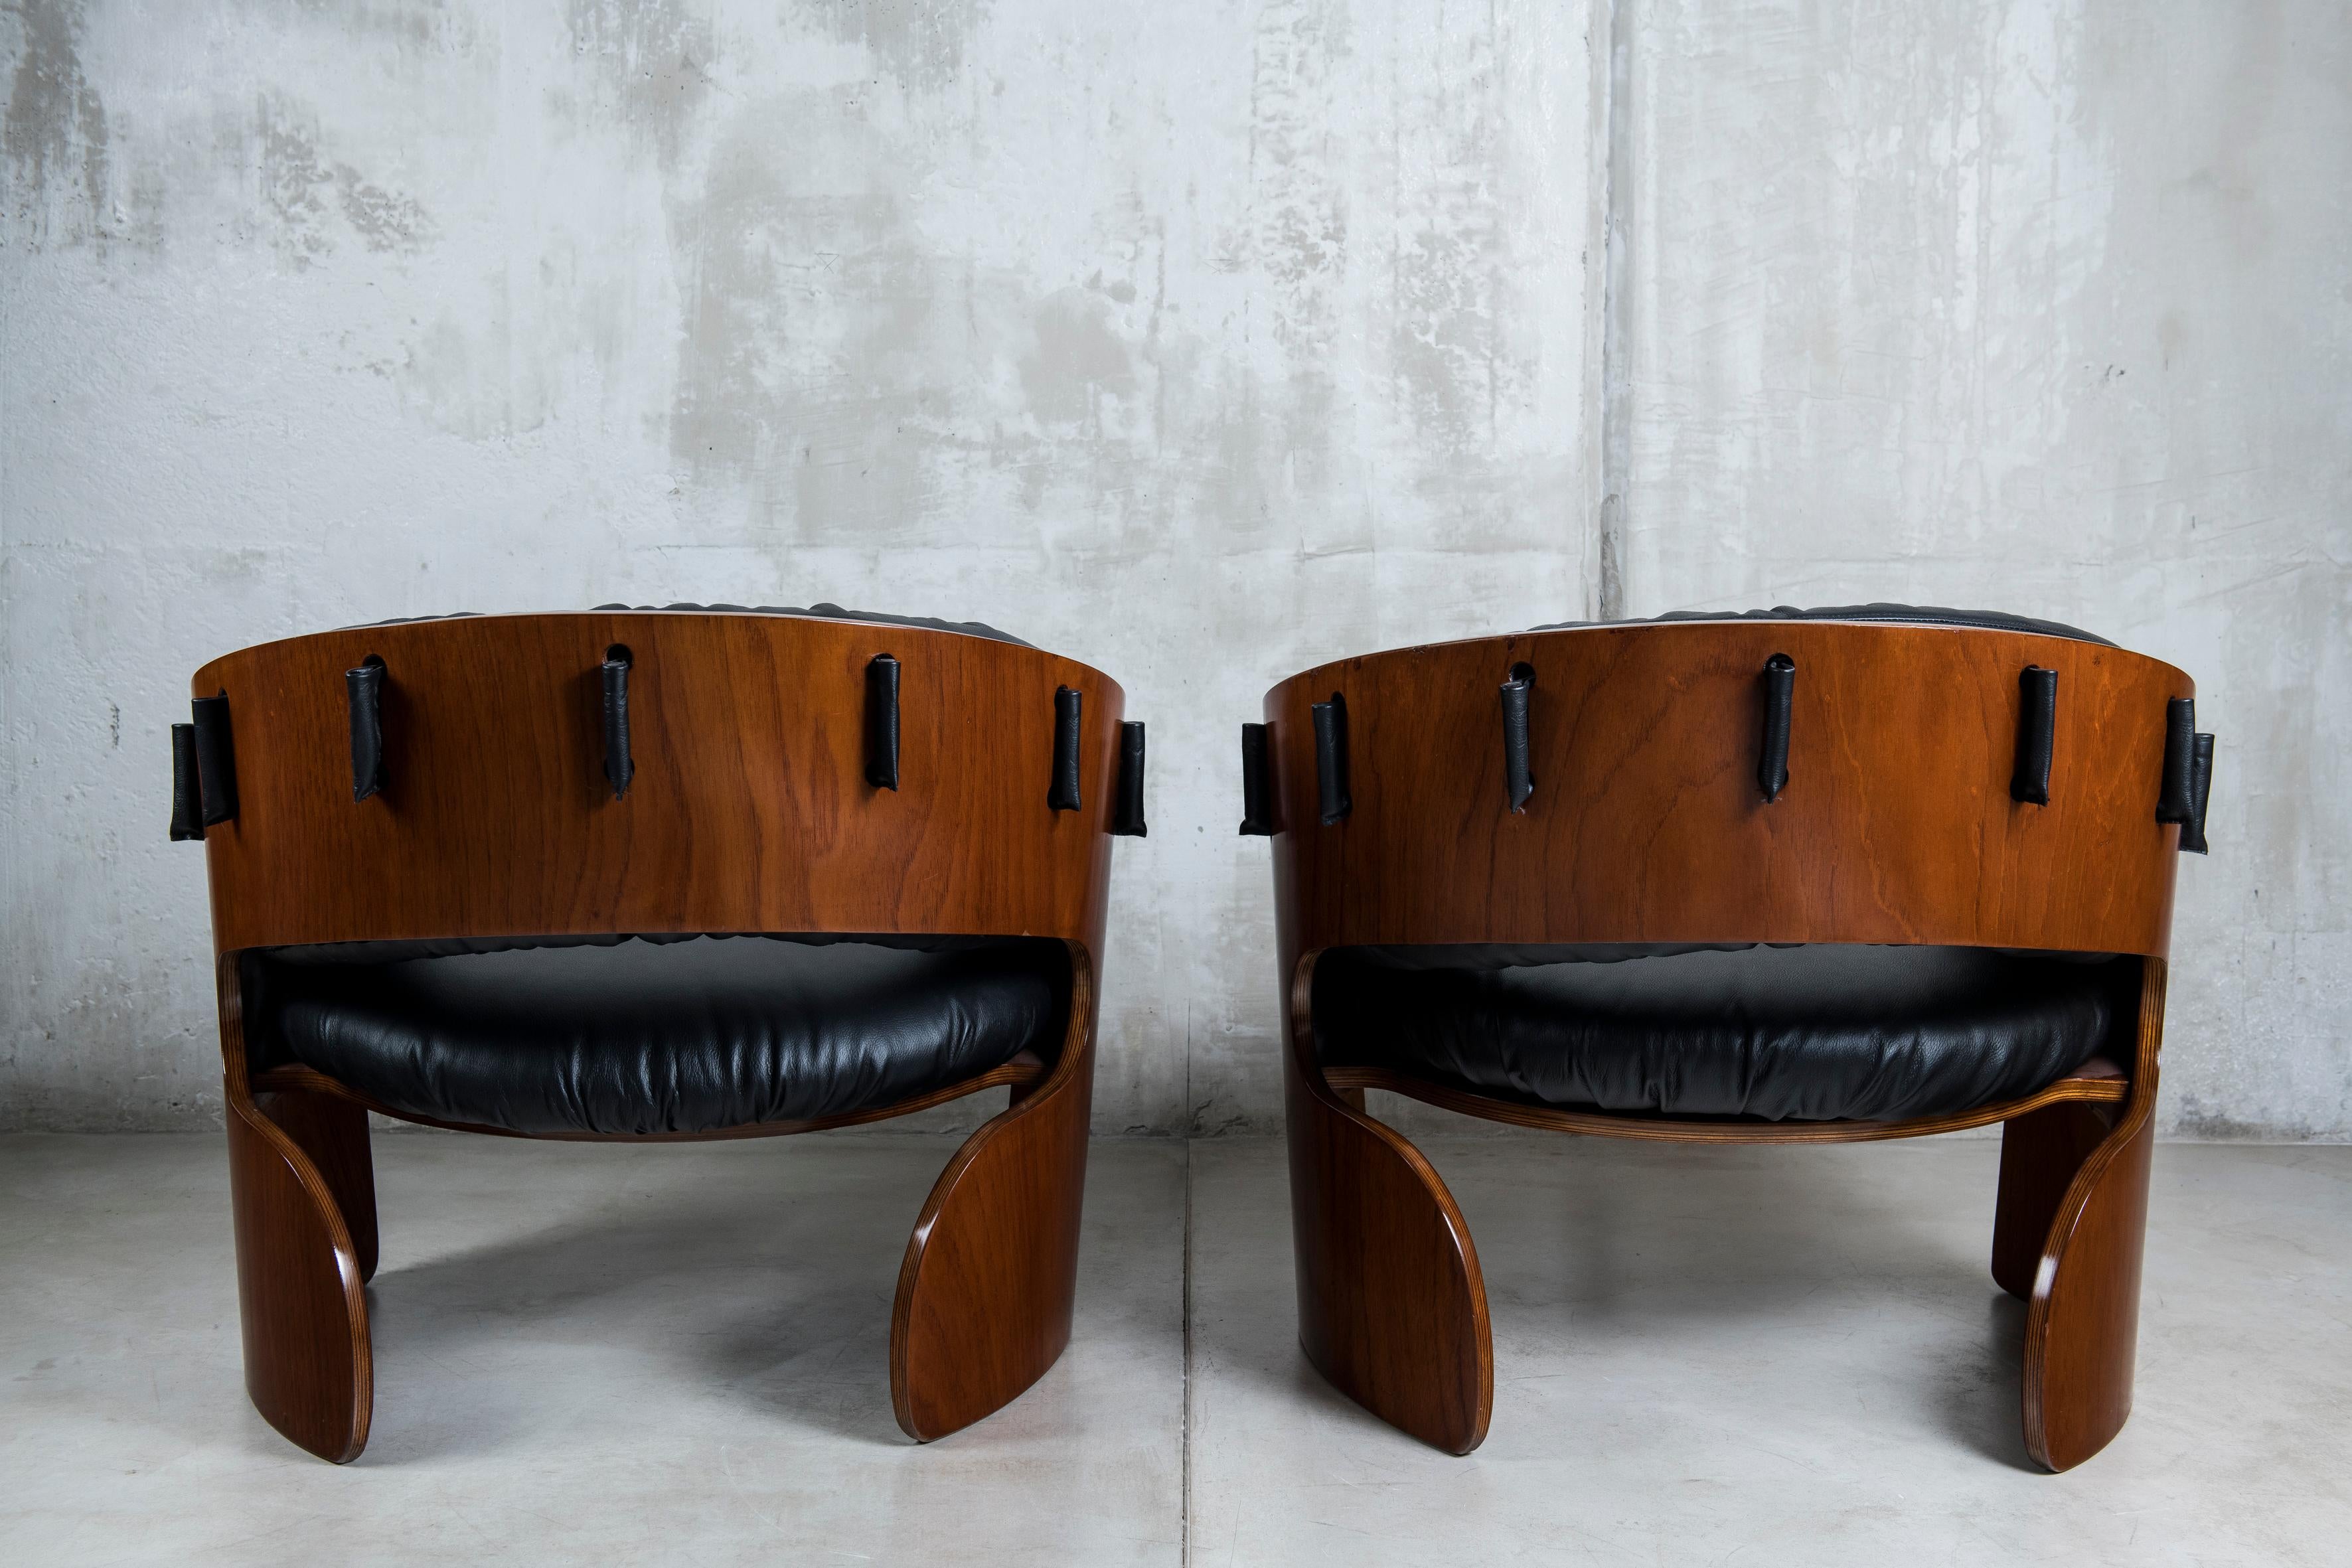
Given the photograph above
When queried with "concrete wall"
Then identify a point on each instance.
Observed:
(2045, 307)
(1201, 343)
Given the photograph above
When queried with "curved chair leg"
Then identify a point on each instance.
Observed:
(1392, 1307)
(2040, 1153)
(990, 1277)
(2081, 1327)
(306, 1362)
(2080, 1177)
(334, 1133)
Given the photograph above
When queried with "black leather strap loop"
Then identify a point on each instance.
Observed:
(364, 689)
(1779, 699)
(1062, 794)
(2037, 726)
(619, 766)
(1126, 813)
(1258, 784)
(215, 759)
(1331, 757)
(187, 787)
(1518, 783)
(2176, 801)
(2201, 792)
(882, 721)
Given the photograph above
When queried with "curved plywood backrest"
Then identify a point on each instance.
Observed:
(1645, 815)
(754, 744)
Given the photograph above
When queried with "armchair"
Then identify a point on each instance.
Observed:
(656, 874)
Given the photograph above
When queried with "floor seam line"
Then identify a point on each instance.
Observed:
(1185, 1514)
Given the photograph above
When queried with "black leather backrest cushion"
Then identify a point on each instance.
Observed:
(1891, 614)
(678, 1036)
(835, 613)
(813, 612)
(1822, 1032)
(1530, 956)
(336, 952)
(1489, 955)
(267, 973)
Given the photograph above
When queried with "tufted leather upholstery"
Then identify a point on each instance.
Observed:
(818, 612)
(835, 613)
(1888, 615)
(669, 1035)
(1813, 1033)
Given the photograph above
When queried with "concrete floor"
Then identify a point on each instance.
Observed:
(653, 1355)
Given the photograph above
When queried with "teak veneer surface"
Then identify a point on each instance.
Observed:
(1392, 1301)
(2082, 1321)
(749, 812)
(988, 1284)
(1646, 824)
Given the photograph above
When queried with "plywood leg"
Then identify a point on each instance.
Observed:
(2082, 1325)
(307, 1366)
(990, 1282)
(1392, 1307)
(2041, 1153)
(334, 1133)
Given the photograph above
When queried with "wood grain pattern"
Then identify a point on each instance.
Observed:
(307, 1366)
(2040, 1151)
(299, 1282)
(331, 1131)
(990, 1280)
(1391, 1304)
(1647, 825)
(2082, 1322)
(749, 812)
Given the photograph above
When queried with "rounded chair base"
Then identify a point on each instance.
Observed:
(1392, 1307)
(986, 1293)
(1816, 1033)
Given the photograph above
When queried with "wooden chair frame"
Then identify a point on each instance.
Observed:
(749, 812)
(1648, 825)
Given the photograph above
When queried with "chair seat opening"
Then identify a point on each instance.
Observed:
(1814, 1033)
(645, 1034)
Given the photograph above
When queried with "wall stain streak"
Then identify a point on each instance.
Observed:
(56, 131)
(297, 187)
(652, 60)
(919, 42)
(1449, 350)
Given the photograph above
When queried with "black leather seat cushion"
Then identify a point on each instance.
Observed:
(1887, 615)
(1814, 1033)
(654, 1036)
(817, 612)
(835, 613)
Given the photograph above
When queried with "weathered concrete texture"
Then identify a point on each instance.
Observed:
(2043, 307)
(1200, 342)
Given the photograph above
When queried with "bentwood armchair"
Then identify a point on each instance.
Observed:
(656, 874)
(1792, 877)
